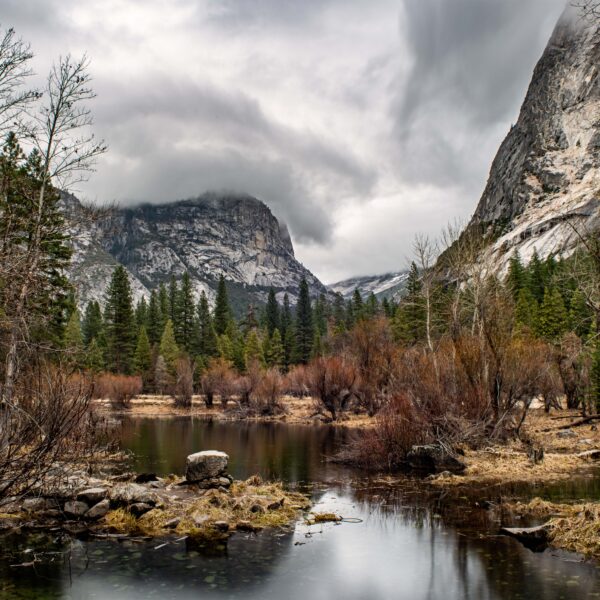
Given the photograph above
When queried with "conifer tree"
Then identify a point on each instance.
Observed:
(371, 306)
(411, 315)
(143, 356)
(358, 307)
(94, 357)
(141, 313)
(287, 331)
(206, 345)
(253, 352)
(580, 316)
(249, 323)
(168, 347)
(517, 275)
(186, 313)
(526, 309)
(305, 330)
(73, 340)
(119, 322)
(272, 313)
(552, 316)
(225, 348)
(174, 305)
(275, 356)
(536, 279)
(339, 313)
(155, 319)
(320, 314)
(92, 325)
(317, 348)
(222, 315)
(163, 304)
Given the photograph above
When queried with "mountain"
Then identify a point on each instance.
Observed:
(232, 235)
(545, 179)
(388, 286)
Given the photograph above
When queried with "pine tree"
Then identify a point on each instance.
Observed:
(552, 317)
(92, 325)
(186, 313)
(305, 331)
(222, 315)
(73, 340)
(412, 312)
(321, 313)
(119, 322)
(371, 306)
(276, 354)
(318, 349)
(94, 357)
(163, 305)
(249, 323)
(168, 347)
(155, 319)
(517, 275)
(174, 305)
(141, 313)
(225, 347)
(358, 307)
(272, 313)
(339, 313)
(143, 356)
(253, 349)
(537, 279)
(580, 316)
(206, 345)
(526, 309)
(287, 331)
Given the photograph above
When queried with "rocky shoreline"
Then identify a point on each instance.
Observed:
(206, 503)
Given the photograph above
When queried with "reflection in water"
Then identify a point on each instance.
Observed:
(408, 544)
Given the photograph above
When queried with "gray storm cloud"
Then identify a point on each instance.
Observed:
(359, 123)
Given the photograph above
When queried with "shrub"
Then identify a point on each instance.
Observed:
(296, 382)
(184, 382)
(333, 381)
(267, 392)
(119, 389)
(218, 379)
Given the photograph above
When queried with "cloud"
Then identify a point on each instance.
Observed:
(358, 123)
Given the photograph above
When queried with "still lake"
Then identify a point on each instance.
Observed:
(404, 540)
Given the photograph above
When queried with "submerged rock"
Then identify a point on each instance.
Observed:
(433, 458)
(205, 465)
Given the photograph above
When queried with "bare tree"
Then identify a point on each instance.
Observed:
(63, 152)
(588, 9)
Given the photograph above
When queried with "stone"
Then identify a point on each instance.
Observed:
(139, 508)
(205, 465)
(99, 510)
(258, 508)
(92, 495)
(222, 526)
(276, 505)
(592, 454)
(132, 493)
(38, 504)
(534, 538)
(200, 520)
(145, 478)
(246, 526)
(75, 508)
(433, 458)
(567, 433)
(172, 523)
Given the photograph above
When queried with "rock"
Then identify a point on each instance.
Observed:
(139, 508)
(200, 520)
(592, 454)
(38, 504)
(92, 495)
(205, 465)
(567, 433)
(246, 526)
(132, 493)
(76, 509)
(172, 523)
(145, 478)
(213, 482)
(222, 526)
(98, 510)
(433, 458)
(276, 505)
(258, 508)
(534, 538)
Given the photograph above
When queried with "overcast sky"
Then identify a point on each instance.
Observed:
(359, 122)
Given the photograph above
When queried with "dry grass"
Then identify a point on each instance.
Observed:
(314, 518)
(259, 505)
(574, 527)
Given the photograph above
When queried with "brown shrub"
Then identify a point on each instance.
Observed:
(296, 382)
(218, 379)
(267, 393)
(184, 382)
(333, 381)
(119, 389)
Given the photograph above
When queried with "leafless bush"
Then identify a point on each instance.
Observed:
(296, 381)
(119, 389)
(52, 422)
(218, 379)
(333, 381)
(246, 384)
(184, 382)
(267, 393)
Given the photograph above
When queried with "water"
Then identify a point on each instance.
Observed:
(408, 544)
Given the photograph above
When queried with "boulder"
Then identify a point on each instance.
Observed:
(534, 538)
(75, 509)
(132, 493)
(433, 458)
(172, 523)
(92, 495)
(145, 478)
(139, 508)
(205, 465)
(222, 526)
(98, 510)
(39, 504)
(567, 433)
(214, 482)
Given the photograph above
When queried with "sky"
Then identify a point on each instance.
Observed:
(360, 123)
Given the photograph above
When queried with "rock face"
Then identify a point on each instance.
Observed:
(236, 236)
(210, 464)
(546, 175)
(390, 285)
